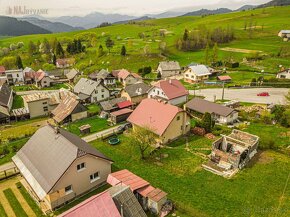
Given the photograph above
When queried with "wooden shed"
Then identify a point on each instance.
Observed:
(120, 115)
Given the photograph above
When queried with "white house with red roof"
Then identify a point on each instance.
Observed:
(171, 91)
(128, 78)
(167, 121)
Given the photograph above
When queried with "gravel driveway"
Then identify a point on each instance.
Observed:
(245, 95)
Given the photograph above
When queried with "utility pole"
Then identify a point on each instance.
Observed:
(223, 94)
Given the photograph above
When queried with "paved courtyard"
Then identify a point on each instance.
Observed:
(277, 95)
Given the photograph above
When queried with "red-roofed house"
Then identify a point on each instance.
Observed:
(224, 78)
(101, 205)
(167, 121)
(149, 197)
(171, 91)
(42, 79)
(2, 70)
(128, 78)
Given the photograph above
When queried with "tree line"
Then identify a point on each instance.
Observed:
(201, 37)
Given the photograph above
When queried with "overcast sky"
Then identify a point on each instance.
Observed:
(129, 7)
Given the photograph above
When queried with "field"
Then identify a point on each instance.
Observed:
(263, 39)
(255, 191)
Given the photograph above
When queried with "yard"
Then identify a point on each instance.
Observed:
(255, 191)
(97, 124)
(17, 102)
(15, 201)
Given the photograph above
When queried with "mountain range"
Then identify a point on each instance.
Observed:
(40, 25)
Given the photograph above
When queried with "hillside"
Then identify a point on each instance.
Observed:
(275, 3)
(12, 27)
(144, 42)
(50, 26)
(208, 12)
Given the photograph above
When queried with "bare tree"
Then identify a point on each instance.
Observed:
(143, 138)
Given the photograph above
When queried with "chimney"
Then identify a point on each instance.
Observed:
(170, 81)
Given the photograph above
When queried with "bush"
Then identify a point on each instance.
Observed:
(4, 150)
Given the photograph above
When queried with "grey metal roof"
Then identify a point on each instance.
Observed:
(203, 106)
(200, 70)
(5, 93)
(122, 195)
(102, 74)
(137, 89)
(169, 65)
(112, 103)
(72, 73)
(48, 154)
(86, 86)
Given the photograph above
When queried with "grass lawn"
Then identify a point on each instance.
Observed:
(14, 203)
(17, 102)
(79, 200)
(24, 88)
(197, 192)
(274, 133)
(97, 124)
(93, 109)
(13, 147)
(29, 200)
(2, 211)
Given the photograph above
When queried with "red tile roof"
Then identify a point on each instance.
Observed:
(155, 115)
(224, 78)
(121, 112)
(101, 205)
(126, 178)
(172, 88)
(39, 75)
(156, 195)
(145, 190)
(123, 73)
(124, 104)
(2, 69)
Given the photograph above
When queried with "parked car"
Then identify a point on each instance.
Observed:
(263, 94)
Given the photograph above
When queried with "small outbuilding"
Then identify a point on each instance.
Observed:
(120, 115)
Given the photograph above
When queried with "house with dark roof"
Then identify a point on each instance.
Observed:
(220, 113)
(168, 68)
(135, 92)
(105, 76)
(70, 109)
(112, 104)
(58, 166)
(167, 121)
(6, 101)
(91, 91)
(127, 78)
(171, 91)
(196, 73)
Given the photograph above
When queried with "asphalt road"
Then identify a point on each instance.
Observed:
(277, 95)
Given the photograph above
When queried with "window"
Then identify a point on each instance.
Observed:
(96, 91)
(81, 166)
(158, 92)
(103, 90)
(68, 189)
(44, 103)
(17, 75)
(103, 96)
(94, 177)
(178, 118)
(45, 108)
(44, 82)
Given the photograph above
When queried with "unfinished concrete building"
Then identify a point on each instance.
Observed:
(231, 153)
